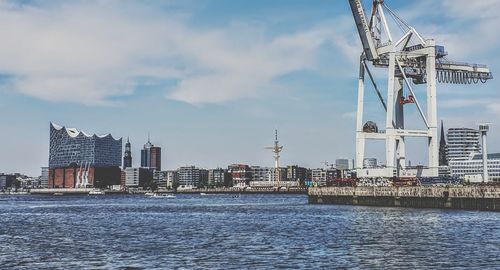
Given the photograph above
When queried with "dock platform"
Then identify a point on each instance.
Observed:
(485, 198)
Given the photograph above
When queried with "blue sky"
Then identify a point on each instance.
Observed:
(211, 80)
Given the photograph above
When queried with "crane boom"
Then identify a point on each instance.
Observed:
(364, 31)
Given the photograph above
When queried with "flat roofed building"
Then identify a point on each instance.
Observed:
(471, 169)
(138, 177)
(217, 177)
(44, 177)
(189, 176)
(241, 174)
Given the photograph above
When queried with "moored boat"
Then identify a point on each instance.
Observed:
(161, 196)
(96, 192)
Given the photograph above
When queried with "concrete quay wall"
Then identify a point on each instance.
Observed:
(245, 191)
(68, 191)
(472, 198)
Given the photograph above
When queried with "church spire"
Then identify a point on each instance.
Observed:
(443, 159)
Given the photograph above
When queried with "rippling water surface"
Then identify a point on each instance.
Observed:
(252, 231)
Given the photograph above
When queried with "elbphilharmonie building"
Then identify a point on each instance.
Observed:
(77, 159)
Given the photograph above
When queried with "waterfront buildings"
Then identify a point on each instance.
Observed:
(318, 177)
(138, 177)
(471, 169)
(160, 179)
(151, 156)
(274, 172)
(77, 159)
(464, 156)
(344, 164)
(297, 174)
(7, 180)
(189, 176)
(260, 174)
(127, 155)
(217, 177)
(44, 177)
(462, 143)
(172, 179)
(241, 174)
(165, 179)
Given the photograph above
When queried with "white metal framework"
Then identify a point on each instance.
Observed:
(410, 59)
(276, 148)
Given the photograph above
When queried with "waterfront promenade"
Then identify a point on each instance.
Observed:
(456, 197)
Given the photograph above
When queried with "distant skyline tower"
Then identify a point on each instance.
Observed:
(151, 156)
(127, 156)
(443, 158)
(276, 149)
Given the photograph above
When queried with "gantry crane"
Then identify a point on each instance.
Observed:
(410, 60)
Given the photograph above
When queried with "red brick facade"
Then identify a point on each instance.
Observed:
(99, 177)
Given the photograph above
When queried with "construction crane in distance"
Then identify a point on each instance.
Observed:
(410, 60)
(276, 148)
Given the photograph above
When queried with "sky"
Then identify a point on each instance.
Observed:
(211, 80)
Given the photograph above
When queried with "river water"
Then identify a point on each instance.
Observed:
(228, 232)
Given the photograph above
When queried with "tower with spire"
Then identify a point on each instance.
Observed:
(443, 158)
(127, 156)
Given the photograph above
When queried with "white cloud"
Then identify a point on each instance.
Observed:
(482, 105)
(91, 52)
(349, 115)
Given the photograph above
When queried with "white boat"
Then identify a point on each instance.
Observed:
(149, 194)
(96, 192)
(19, 193)
(162, 196)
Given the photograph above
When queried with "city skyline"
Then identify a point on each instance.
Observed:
(194, 93)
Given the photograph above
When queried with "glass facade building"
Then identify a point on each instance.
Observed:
(68, 146)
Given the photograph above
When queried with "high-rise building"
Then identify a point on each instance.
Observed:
(151, 156)
(443, 158)
(463, 143)
(127, 156)
(77, 159)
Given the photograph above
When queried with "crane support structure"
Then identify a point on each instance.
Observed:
(410, 60)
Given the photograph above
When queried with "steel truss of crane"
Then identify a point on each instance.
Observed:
(407, 64)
